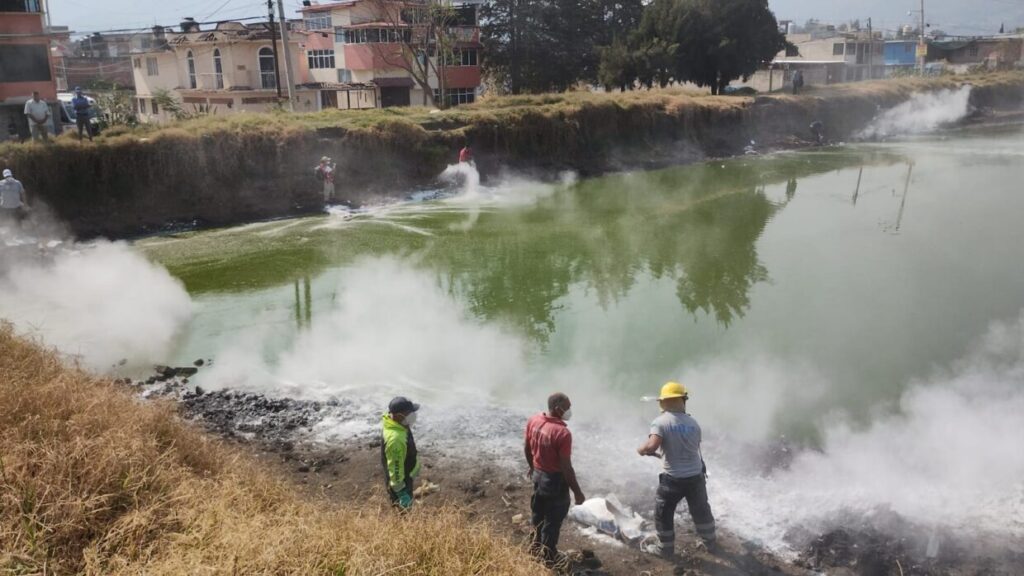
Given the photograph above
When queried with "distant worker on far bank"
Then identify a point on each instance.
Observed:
(678, 437)
(13, 202)
(398, 451)
(466, 155)
(798, 81)
(82, 113)
(548, 450)
(38, 113)
(818, 132)
(325, 173)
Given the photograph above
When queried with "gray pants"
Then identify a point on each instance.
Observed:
(328, 191)
(670, 492)
(39, 131)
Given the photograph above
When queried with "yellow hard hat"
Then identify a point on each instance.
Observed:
(672, 390)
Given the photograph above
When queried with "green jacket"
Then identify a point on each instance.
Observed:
(398, 453)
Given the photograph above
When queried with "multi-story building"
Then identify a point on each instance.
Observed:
(228, 69)
(25, 65)
(375, 53)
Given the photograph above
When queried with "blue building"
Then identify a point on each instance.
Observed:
(900, 53)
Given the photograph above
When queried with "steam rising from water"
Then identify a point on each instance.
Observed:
(389, 330)
(949, 457)
(923, 112)
(102, 302)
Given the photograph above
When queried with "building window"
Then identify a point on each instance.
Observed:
(320, 58)
(191, 62)
(837, 49)
(851, 49)
(24, 63)
(137, 62)
(152, 68)
(344, 76)
(467, 57)
(372, 35)
(156, 108)
(318, 21)
(218, 70)
(268, 78)
(972, 51)
(456, 96)
(19, 6)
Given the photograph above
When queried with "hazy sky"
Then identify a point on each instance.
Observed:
(954, 16)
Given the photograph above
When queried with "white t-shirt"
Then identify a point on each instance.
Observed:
(37, 110)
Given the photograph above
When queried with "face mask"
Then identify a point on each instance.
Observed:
(409, 419)
(567, 415)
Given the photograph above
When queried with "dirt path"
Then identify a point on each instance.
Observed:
(352, 473)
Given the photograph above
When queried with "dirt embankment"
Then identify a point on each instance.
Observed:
(231, 173)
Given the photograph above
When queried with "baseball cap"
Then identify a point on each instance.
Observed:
(402, 405)
(8, 173)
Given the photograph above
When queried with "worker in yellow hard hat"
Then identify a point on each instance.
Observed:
(675, 438)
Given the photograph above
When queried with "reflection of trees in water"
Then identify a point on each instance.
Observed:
(698, 225)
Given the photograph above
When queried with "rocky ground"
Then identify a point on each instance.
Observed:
(285, 434)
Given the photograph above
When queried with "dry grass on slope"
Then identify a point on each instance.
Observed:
(93, 481)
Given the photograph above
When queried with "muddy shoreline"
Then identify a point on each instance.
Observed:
(286, 434)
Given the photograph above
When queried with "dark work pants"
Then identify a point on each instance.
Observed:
(549, 507)
(670, 492)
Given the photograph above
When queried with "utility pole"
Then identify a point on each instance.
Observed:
(287, 56)
(273, 44)
(922, 47)
(871, 51)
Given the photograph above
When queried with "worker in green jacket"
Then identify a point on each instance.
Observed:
(398, 450)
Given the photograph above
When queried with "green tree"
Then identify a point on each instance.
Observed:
(551, 45)
(717, 41)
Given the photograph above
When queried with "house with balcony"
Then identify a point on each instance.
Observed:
(228, 69)
(25, 65)
(374, 53)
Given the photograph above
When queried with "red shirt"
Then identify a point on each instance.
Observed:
(465, 155)
(549, 440)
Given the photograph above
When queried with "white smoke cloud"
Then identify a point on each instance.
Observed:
(923, 112)
(389, 330)
(950, 456)
(101, 302)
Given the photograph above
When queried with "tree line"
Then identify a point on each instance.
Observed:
(551, 45)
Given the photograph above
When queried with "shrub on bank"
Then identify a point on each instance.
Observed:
(94, 481)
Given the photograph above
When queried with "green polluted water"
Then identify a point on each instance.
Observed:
(864, 301)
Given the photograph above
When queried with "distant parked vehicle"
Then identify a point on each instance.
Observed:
(97, 121)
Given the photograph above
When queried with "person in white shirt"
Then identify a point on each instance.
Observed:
(13, 202)
(38, 113)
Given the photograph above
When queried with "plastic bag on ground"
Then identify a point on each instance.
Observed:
(609, 516)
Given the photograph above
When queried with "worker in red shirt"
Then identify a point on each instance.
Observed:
(466, 154)
(548, 450)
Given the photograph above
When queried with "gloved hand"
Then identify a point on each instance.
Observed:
(405, 499)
